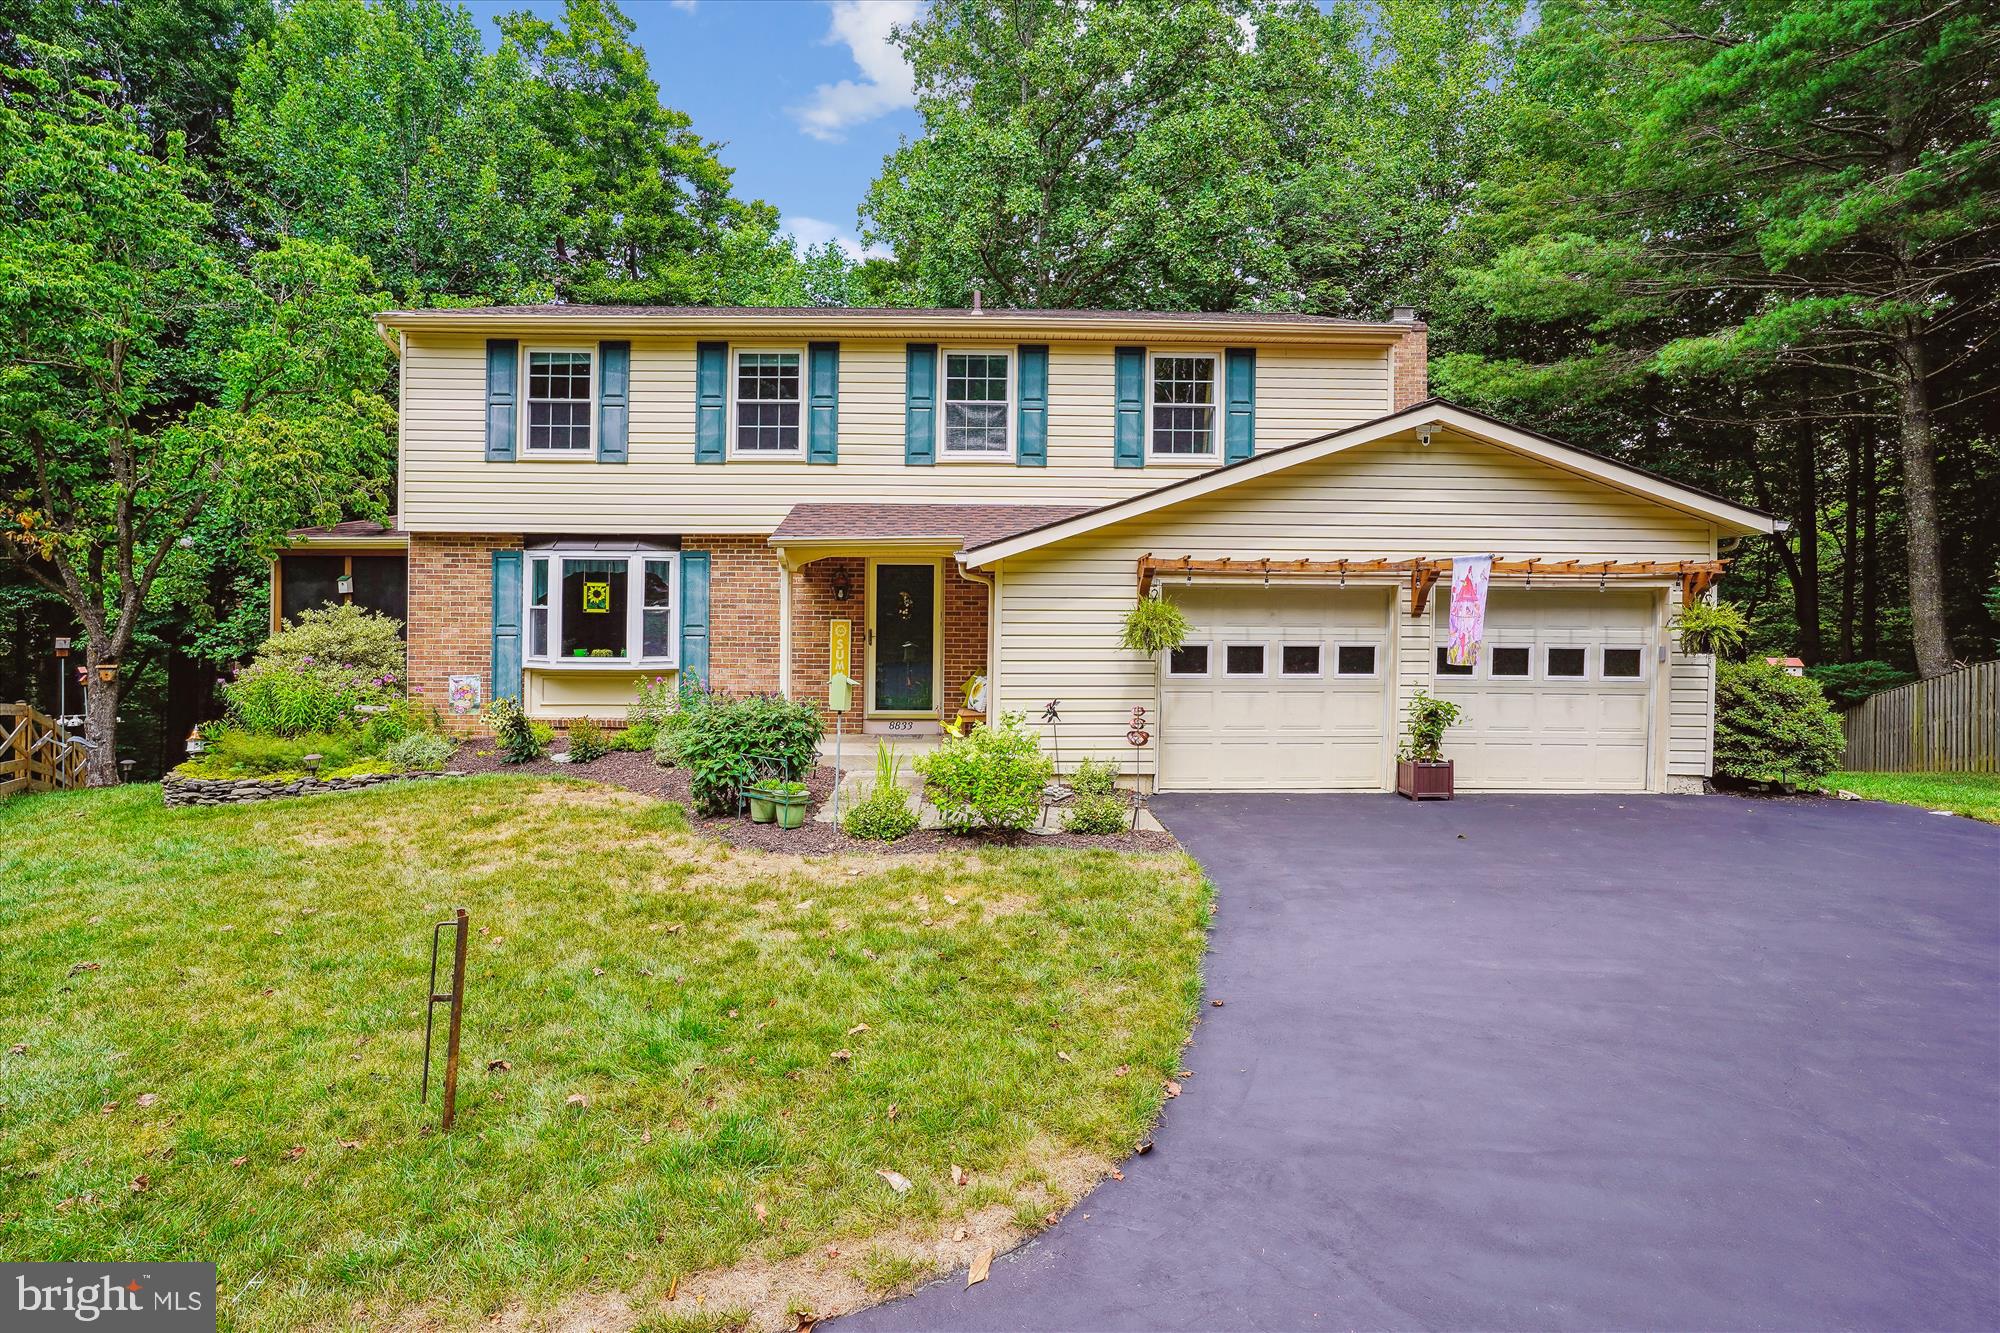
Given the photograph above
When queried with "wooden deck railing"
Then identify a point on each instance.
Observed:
(1947, 724)
(36, 754)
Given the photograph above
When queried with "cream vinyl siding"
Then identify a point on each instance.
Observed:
(1062, 605)
(448, 486)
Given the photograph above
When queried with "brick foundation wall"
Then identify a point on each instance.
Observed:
(450, 631)
(743, 587)
(813, 605)
(1413, 372)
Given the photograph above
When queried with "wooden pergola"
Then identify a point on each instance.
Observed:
(1695, 576)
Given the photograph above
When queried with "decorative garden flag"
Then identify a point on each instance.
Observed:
(1469, 576)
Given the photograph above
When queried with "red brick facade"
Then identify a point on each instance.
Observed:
(450, 630)
(743, 585)
(1413, 372)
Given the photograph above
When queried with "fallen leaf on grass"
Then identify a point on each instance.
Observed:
(239, 1161)
(1116, 1174)
(18, 1048)
(958, 1175)
(146, 1098)
(960, 1234)
(1050, 1219)
(857, 1029)
(645, 1136)
(597, 971)
(897, 1182)
(576, 1099)
(498, 1066)
(982, 1263)
(296, 1151)
(1122, 1071)
(893, 1109)
(1064, 1057)
(108, 1108)
(1215, 1004)
(763, 1215)
(842, 1056)
(75, 968)
(1173, 1088)
(350, 1143)
(1144, 1147)
(140, 1184)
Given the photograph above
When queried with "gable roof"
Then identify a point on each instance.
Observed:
(1437, 412)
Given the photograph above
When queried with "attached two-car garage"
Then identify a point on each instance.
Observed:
(1292, 689)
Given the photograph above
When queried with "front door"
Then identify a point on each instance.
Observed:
(903, 639)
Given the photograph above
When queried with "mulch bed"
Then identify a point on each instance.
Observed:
(639, 772)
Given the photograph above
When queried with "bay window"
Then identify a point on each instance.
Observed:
(597, 607)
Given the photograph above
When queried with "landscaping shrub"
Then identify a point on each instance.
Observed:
(659, 699)
(1094, 777)
(990, 776)
(236, 752)
(519, 740)
(587, 741)
(280, 701)
(636, 738)
(689, 700)
(404, 717)
(1425, 726)
(1773, 727)
(345, 636)
(728, 741)
(885, 815)
(420, 752)
(1098, 812)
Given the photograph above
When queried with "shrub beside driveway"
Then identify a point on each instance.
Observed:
(678, 1056)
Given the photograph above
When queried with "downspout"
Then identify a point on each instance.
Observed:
(990, 582)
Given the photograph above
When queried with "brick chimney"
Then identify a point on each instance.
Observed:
(1409, 360)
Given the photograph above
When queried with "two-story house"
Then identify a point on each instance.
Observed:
(591, 495)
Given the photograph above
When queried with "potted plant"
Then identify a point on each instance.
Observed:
(1720, 630)
(789, 801)
(1422, 771)
(763, 808)
(1153, 626)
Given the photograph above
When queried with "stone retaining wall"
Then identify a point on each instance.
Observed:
(176, 790)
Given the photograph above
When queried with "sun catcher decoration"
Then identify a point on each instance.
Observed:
(597, 598)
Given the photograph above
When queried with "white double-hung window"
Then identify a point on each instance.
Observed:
(559, 401)
(767, 392)
(590, 606)
(978, 406)
(1183, 405)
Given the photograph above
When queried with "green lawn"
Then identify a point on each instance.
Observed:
(1973, 794)
(245, 984)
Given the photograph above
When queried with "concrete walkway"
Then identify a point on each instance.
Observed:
(1559, 1062)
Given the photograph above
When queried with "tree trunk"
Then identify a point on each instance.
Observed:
(1849, 536)
(100, 725)
(1920, 511)
(1871, 559)
(1805, 574)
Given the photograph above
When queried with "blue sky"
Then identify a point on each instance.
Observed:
(805, 96)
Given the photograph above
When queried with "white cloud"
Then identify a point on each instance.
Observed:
(809, 232)
(685, 6)
(886, 84)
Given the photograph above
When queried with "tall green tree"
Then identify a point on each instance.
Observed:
(146, 386)
(385, 126)
(1790, 205)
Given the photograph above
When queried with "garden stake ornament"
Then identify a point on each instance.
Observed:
(455, 997)
(1136, 734)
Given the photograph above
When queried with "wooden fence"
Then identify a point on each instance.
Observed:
(1947, 724)
(35, 753)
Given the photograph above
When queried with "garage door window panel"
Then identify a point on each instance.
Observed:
(1568, 663)
(1445, 667)
(1299, 660)
(1624, 663)
(1512, 663)
(1243, 660)
(1188, 662)
(1354, 660)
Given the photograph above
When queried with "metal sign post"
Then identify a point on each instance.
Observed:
(839, 693)
(455, 997)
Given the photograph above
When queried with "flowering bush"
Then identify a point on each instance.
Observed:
(358, 640)
(991, 776)
(311, 676)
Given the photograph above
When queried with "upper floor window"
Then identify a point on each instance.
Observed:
(767, 402)
(1183, 399)
(976, 405)
(559, 402)
(602, 608)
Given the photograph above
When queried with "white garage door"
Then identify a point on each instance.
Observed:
(1278, 688)
(1562, 696)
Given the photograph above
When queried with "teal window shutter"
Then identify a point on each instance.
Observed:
(1240, 427)
(506, 624)
(614, 389)
(1031, 433)
(920, 406)
(711, 401)
(503, 377)
(823, 437)
(694, 616)
(1131, 423)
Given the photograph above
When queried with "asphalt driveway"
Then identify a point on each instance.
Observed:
(1559, 1062)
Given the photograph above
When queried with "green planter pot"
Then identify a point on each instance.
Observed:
(762, 806)
(791, 809)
